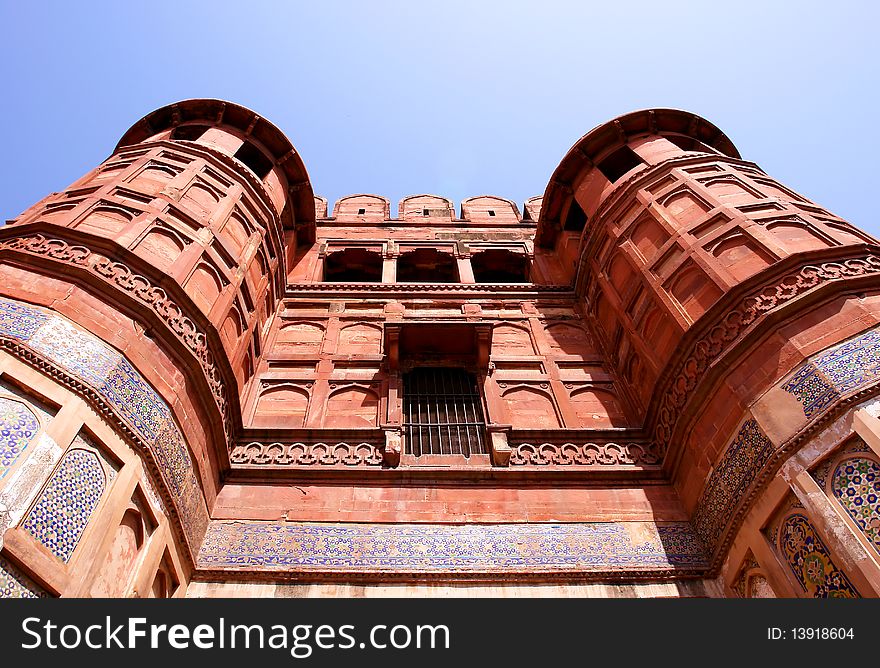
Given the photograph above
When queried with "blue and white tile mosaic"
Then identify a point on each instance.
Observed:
(74, 350)
(449, 548)
(18, 428)
(93, 362)
(836, 372)
(810, 388)
(140, 404)
(20, 321)
(730, 480)
(63, 509)
(172, 456)
(15, 584)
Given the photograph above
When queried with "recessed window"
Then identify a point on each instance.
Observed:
(576, 219)
(189, 132)
(361, 212)
(442, 413)
(255, 159)
(427, 265)
(689, 144)
(619, 163)
(426, 212)
(492, 212)
(497, 265)
(353, 265)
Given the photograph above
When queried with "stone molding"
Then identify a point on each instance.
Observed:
(750, 310)
(303, 454)
(141, 288)
(585, 454)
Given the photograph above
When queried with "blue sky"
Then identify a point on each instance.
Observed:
(455, 98)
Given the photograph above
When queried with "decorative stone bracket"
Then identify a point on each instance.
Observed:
(391, 453)
(499, 443)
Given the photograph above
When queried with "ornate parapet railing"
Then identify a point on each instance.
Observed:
(307, 454)
(581, 449)
(362, 449)
(584, 454)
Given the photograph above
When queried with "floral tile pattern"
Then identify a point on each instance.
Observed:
(856, 485)
(445, 548)
(20, 320)
(74, 350)
(18, 427)
(838, 371)
(810, 560)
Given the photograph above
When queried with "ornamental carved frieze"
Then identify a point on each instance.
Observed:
(585, 454)
(748, 312)
(144, 291)
(316, 455)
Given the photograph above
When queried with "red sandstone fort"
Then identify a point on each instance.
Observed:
(659, 378)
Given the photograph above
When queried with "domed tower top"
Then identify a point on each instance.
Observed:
(625, 144)
(242, 134)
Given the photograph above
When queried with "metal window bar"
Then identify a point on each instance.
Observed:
(442, 413)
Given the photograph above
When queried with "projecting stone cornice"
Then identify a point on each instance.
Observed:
(523, 291)
(741, 318)
(158, 304)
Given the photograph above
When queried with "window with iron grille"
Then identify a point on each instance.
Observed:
(442, 413)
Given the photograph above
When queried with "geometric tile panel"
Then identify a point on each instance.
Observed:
(444, 548)
(811, 389)
(93, 362)
(138, 402)
(730, 480)
(15, 584)
(63, 509)
(822, 472)
(835, 372)
(853, 363)
(856, 485)
(172, 456)
(18, 427)
(810, 560)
